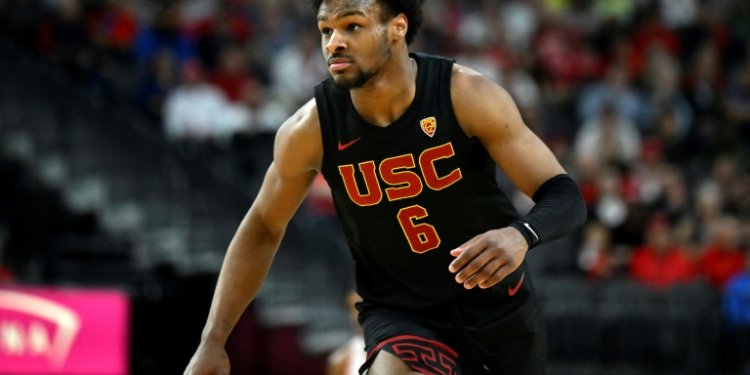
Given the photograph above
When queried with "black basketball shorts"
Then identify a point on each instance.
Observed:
(471, 336)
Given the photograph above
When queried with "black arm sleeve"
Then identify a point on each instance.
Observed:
(558, 211)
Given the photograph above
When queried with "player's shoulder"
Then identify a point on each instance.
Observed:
(467, 82)
(477, 99)
(304, 120)
(298, 141)
(305, 116)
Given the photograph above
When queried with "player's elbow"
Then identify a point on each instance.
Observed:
(261, 229)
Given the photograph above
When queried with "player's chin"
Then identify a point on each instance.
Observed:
(343, 81)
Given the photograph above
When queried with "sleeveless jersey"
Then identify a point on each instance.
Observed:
(410, 192)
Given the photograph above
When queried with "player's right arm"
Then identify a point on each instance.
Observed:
(298, 153)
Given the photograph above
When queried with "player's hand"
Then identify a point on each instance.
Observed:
(208, 360)
(488, 258)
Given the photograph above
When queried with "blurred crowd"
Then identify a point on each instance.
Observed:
(646, 102)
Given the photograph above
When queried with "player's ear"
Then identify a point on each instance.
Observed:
(399, 26)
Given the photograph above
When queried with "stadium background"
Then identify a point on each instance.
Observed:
(134, 134)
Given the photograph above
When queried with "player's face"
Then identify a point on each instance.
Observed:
(355, 42)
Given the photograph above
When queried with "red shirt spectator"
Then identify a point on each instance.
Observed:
(661, 268)
(653, 33)
(564, 55)
(233, 73)
(718, 264)
(722, 258)
(659, 263)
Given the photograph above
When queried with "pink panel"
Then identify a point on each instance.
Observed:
(64, 331)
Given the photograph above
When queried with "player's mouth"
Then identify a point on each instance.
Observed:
(339, 64)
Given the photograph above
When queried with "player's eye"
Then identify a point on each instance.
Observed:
(353, 27)
(326, 31)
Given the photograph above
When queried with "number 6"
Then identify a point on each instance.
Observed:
(421, 237)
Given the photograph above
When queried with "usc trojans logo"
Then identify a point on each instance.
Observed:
(429, 125)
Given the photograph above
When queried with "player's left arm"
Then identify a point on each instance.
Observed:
(486, 111)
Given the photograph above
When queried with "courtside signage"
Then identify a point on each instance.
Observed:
(63, 331)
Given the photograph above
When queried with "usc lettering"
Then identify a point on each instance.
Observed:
(404, 183)
(399, 173)
(373, 194)
(427, 163)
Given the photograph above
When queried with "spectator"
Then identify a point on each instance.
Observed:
(677, 150)
(165, 34)
(296, 68)
(481, 59)
(674, 203)
(228, 24)
(608, 138)
(564, 56)
(596, 255)
(649, 172)
(610, 207)
(650, 35)
(726, 171)
(704, 82)
(659, 263)
(256, 112)
(519, 20)
(475, 28)
(663, 94)
(191, 110)
(528, 95)
(161, 78)
(722, 258)
(252, 122)
(709, 203)
(615, 89)
(233, 74)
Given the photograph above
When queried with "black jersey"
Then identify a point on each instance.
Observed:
(410, 192)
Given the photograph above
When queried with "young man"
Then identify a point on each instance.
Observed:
(409, 144)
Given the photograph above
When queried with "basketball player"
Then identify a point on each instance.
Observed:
(409, 144)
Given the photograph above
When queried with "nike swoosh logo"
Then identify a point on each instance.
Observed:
(512, 291)
(344, 146)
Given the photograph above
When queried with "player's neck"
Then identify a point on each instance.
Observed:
(387, 96)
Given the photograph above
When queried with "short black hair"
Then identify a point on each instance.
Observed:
(412, 9)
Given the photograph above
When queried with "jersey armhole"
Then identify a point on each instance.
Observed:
(324, 118)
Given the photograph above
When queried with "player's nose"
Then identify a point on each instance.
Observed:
(336, 43)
